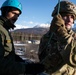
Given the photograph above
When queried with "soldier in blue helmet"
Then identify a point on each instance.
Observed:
(10, 63)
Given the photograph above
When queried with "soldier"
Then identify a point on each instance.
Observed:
(10, 63)
(57, 49)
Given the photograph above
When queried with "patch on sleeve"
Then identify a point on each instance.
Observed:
(8, 41)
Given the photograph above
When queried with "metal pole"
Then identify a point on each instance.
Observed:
(58, 7)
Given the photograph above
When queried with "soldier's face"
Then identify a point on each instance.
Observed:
(13, 15)
(68, 20)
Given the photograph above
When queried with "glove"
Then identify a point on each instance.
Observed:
(58, 27)
(56, 23)
(34, 68)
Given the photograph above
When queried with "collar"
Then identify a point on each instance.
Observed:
(6, 23)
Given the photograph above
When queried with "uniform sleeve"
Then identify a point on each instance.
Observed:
(69, 52)
(1, 50)
(41, 51)
(58, 27)
(42, 47)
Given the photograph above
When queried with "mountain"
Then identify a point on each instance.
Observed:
(37, 30)
(34, 30)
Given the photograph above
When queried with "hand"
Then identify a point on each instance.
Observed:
(56, 23)
(58, 27)
(34, 68)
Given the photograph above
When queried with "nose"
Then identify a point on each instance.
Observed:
(68, 18)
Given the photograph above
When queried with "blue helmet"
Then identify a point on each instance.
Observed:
(12, 3)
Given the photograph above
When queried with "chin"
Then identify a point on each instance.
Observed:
(68, 28)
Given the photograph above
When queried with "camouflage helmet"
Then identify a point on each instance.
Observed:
(66, 7)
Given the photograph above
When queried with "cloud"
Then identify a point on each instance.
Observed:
(28, 22)
(31, 22)
(75, 21)
(20, 26)
(42, 25)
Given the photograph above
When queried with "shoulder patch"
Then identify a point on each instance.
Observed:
(8, 41)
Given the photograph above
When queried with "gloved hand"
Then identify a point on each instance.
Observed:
(58, 26)
(34, 68)
(56, 23)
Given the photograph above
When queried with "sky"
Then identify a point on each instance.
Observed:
(35, 12)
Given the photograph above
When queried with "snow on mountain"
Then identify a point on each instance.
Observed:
(47, 25)
(42, 26)
(20, 26)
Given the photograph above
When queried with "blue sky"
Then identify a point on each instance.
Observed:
(36, 12)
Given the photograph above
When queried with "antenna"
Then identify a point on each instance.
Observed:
(65, 0)
(58, 6)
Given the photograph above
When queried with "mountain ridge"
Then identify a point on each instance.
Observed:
(32, 30)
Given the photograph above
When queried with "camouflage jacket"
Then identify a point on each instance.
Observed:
(57, 54)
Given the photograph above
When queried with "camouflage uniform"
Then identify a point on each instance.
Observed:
(57, 49)
(52, 50)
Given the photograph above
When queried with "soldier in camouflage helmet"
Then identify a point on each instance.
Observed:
(57, 49)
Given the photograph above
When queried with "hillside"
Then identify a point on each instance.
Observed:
(38, 31)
